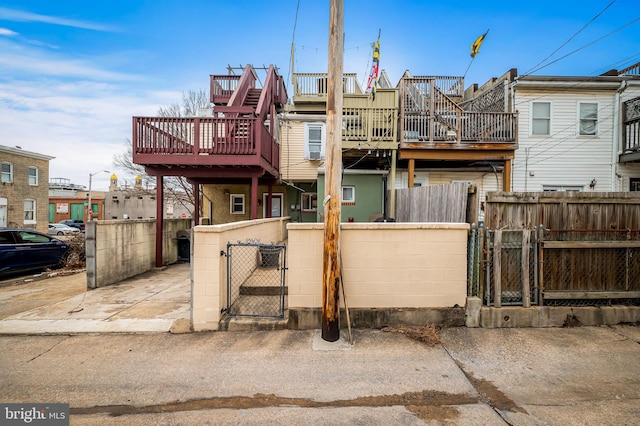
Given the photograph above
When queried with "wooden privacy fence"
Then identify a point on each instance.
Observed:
(434, 203)
(541, 266)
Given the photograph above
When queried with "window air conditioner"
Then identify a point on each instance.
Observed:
(314, 155)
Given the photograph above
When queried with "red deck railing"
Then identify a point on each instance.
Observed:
(203, 140)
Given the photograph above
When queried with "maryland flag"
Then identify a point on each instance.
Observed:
(475, 47)
(372, 82)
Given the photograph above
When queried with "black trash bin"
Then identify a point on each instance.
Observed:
(270, 256)
(184, 246)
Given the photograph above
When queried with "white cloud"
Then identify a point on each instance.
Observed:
(7, 32)
(20, 16)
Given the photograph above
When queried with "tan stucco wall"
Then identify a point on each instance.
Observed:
(120, 249)
(385, 265)
(209, 267)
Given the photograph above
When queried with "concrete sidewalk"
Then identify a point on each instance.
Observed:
(552, 376)
(157, 301)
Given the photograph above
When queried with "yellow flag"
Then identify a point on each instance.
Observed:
(475, 47)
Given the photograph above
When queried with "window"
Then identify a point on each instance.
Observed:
(237, 203)
(348, 194)
(33, 176)
(7, 173)
(541, 118)
(309, 202)
(634, 184)
(314, 141)
(29, 211)
(588, 118)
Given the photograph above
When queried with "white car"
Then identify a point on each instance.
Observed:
(62, 229)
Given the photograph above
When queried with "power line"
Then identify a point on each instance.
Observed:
(588, 44)
(571, 38)
(293, 37)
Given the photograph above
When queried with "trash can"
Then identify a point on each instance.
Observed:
(184, 246)
(270, 256)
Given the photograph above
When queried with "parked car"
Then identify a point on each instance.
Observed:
(75, 223)
(25, 250)
(62, 229)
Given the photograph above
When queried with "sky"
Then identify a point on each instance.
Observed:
(74, 73)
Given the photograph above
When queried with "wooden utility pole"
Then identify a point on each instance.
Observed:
(333, 178)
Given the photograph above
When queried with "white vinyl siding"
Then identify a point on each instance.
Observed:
(564, 158)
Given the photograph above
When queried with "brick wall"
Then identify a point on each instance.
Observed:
(19, 190)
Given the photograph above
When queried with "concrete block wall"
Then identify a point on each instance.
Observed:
(120, 249)
(385, 265)
(209, 292)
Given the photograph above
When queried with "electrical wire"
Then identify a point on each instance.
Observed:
(293, 37)
(570, 38)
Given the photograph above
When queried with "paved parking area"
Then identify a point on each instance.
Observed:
(155, 301)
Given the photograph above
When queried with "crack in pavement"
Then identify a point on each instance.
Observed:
(411, 400)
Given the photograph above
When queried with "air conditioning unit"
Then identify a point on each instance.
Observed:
(314, 155)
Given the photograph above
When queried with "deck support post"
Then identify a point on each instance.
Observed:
(159, 218)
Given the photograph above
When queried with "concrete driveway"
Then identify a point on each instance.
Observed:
(155, 301)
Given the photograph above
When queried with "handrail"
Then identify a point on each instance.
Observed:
(316, 84)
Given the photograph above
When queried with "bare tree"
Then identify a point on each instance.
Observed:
(176, 187)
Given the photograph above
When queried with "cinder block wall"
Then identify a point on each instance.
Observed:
(385, 265)
(209, 267)
(120, 249)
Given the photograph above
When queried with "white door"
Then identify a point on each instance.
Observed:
(276, 205)
(3, 212)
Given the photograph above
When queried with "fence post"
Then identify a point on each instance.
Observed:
(541, 265)
(471, 245)
(497, 269)
(526, 291)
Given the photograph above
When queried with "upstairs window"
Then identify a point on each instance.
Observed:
(314, 141)
(7, 173)
(541, 118)
(348, 195)
(588, 118)
(33, 176)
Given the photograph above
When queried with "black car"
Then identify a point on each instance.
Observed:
(26, 250)
(75, 223)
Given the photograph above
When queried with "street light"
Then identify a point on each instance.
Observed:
(90, 209)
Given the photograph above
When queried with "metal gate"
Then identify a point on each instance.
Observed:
(255, 279)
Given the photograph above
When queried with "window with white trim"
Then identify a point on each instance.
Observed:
(7, 173)
(314, 141)
(29, 211)
(541, 118)
(588, 120)
(237, 204)
(33, 176)
(309, 202)
(348, 194)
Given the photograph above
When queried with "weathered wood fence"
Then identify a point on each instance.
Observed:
(435, 203)
(586, 249)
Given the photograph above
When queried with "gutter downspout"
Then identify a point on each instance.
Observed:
(616, 148)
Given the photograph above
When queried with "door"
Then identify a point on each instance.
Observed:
(3, 212)
(276, 205)
(77, 212)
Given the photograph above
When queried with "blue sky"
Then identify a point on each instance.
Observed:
(73, 73)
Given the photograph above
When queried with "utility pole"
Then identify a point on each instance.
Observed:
(333, 177)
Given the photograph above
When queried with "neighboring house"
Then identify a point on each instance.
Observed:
(69, 201)
(231, 157)
(577, 134)
(446, 139)
(369, 144)
(24, 189)
(139, 203)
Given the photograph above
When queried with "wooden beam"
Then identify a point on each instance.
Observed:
(506, 176)
(412, 172)
(333, 178)
(567, 295)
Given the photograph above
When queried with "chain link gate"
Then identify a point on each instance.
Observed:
(255, 279)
